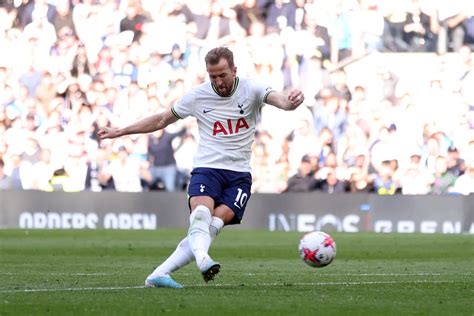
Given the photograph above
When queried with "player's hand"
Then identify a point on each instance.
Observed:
(296, 97)
(108, 132)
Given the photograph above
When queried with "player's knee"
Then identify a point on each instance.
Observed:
(200, 214)
(224, 213)
(197, 201)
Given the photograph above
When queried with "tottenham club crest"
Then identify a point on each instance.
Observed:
(240, 106)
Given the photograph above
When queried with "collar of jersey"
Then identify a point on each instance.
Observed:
(236, 83)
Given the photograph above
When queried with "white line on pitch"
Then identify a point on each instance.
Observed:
(62, 273)
(322, 274)
(352, 283)
(73, 289)
(230, 285)
(375, 274)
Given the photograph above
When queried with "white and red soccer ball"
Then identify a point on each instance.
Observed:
(317, 249)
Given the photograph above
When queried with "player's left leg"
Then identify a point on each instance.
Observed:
(199, 233)
(232, 202)
(225, 215)
(199, 237)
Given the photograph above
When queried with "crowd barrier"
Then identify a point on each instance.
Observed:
(448, 214)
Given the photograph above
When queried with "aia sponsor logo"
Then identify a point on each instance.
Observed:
(229, 127)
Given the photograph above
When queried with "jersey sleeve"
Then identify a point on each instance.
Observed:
(261, 91)
(185, 106)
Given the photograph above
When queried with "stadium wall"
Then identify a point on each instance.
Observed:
(449, 214)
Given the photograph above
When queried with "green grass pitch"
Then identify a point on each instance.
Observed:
(101, 272)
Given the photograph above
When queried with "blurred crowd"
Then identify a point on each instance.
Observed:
(389, 101)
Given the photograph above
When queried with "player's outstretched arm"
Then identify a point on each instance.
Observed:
(286, 102)
(146, 125)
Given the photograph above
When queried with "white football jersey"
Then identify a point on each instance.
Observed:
(226, 124)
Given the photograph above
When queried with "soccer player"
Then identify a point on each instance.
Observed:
(226, 109)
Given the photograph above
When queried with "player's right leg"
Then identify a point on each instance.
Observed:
(179, 258)
(225, 215)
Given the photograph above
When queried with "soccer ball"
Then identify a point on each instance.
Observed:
(317, 249)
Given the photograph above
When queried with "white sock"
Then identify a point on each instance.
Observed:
(183, 253)
(199, 237)
(216, 226)
(180, 257)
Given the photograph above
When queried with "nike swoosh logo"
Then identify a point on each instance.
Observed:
(207, 110)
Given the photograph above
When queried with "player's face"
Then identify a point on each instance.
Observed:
(222, 77)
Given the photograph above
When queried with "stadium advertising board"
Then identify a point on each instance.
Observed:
(356, 213)
(302, 212)
(88, 210)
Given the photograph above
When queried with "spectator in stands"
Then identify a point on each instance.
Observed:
(455, 163)
(385, 147)
(280, 14)
(395, 21)
(416, 180)
(301, 141)
(468, 24)
(370, 26)
(6, 182)
(125, 171)
(430, 153)
(63, 21)
(29, 157)
(331, 184)
(464, 184)
(155, 70)
(37, 8)
(177, 59)
(184, 159)
(217, 27)
(161, 157)
(384, 183)
(326, 147)
(419, 30)
(469, 149)
(459, 27)
(42, 171)
(247, 12)
(12, 170)
(8, 6)
(359, 182)
(270, 163)
(60, 181)
(331, 116)
(443, 179)
(262, 167)
(303, 180)
(46, 90)
(342, 39)
(31, 80)
(133, 20)
(330, 164)
(80, 64)
(5, 120)
(97, 178)
(41, 29)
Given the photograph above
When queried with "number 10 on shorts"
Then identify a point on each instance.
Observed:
(240, 199)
